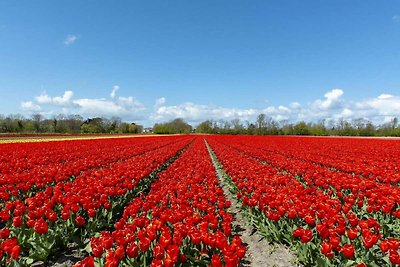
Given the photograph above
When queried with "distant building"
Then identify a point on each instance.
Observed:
(148, 130)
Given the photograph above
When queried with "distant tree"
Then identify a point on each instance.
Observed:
(226, 127)
(13, 123)
(261, 124)
(47, 126)
(28, 126)
(138, 128)
(367, 130)
(238, 127)
(359, 126)
(114, 124)
(6, 124)
(20, 126)
(175, 126)
(55, 124)
(73, 123)
(318, 128)
(272, 126)
(394, 121)
(181, 126)
(288, 129)
(132, 128)
(37, 120)
(301, 128)
(389, 128)
(59, 124)
(162, 128)
(205, 127)
(93, 125)
(251, 128)
(345, 128)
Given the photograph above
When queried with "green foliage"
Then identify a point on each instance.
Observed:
(65, 124)
(263, 125)
(205, 127)
(267, 126)
(172, 127)
(301, 128)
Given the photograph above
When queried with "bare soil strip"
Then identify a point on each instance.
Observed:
(260, 252)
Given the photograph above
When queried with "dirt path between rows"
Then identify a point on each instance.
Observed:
(260, 253)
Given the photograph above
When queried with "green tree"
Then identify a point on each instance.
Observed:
(261, 124)
(172, 127)
(301, 128)
(205, 127)
(37, 122)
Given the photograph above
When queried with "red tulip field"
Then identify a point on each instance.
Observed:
(160, 201)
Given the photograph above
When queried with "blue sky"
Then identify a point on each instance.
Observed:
(294, 60)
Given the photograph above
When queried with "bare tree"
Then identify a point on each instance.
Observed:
(394, 122)
(261, 123)
(37, 119)
(237, 126)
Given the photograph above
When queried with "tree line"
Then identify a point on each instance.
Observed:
(265, 125)
(65, 124)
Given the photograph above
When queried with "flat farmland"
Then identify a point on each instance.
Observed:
(199, 200)
(27, 138)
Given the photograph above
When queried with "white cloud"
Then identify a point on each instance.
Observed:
(30, 106)
(114, 91)
(63, 100)
(333, 106)
(295, 105)
(346, 113)
(373, 109)
(387, 105)
(385, 96)
(277, 113)
(396, 18)
(332, 100)
(70, 39)
(43, 98)
(130, 102)
(97, 106)
(126, 107)
(197, 112)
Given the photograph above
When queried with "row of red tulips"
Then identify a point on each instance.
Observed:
(27, 168)
(182, 221)
(71, 210)
(367, 157)
(381, 197)
(331, 218)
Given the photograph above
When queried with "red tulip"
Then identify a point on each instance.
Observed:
(15, 252)
(80, 221)
(40, 226)
(132, 250)
(348, 251)
(216, 261)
